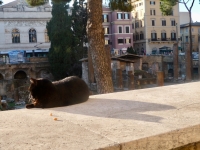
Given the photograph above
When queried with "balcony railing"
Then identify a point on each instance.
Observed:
(161, 39)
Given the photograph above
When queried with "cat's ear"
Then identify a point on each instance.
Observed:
(33, 81)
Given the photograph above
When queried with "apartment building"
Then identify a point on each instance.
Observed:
(117, 30)
(153, 32)
(184, 32)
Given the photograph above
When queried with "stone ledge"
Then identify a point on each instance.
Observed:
(154, 119)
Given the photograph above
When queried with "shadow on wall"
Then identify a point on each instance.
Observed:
(118, 109)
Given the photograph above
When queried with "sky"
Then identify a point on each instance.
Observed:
(195, 9)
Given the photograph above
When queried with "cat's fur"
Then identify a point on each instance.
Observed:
(68, 91)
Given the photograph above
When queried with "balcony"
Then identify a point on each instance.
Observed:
(161, 40)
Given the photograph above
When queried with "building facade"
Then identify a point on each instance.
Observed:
(184, 31)
(184, 17)
(117, 30)
(154, 32)
(23, 27)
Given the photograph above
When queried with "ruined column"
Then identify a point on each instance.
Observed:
(160, 78)
(119, 79)
(175, 61)
(130, 80)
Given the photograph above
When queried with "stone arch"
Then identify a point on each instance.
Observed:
(1, 77)
(20, 75)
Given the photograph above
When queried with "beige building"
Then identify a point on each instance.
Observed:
(153, 32)
(184, 31)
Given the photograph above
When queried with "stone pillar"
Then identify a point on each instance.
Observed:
(160, 78)
(175, 61)
(119, 79)
(130, 80)
(85, 72)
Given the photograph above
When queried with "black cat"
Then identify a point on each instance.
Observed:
(47, 94)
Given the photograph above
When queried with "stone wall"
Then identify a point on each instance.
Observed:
(15, 81)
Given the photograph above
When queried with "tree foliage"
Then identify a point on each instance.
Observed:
(79, 23)
(130, 50)
(166, 6)
(60, 35)
(123, 5)
(42, 2)
(1, 2)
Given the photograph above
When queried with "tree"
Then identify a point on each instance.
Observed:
(79, 24)
(1, 2)
(166, 8)
(60, 34)
(130, 50)
(96, 41)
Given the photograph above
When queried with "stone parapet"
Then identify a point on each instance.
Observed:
(160, 118)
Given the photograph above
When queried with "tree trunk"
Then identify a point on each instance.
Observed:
(188, 59)
(96, 47)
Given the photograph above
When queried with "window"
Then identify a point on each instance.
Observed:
(141, 35)
(173, 23)
(46, 36)
(127, 40)
(137, 24)
(153, 22)
(163, 22)
(186, 29)
(127, 29)
(137, 36)
(107, 41)
(120, 41)
(106, 30)
(32, 36)
(126, 16)
(173, 36)
(186, 38)
(163, 36)
(152, 3)
(120, 29)
(105, 18)
(153, 35)
(119, 16)
(15, 36)
(152, 12)
(132, 25)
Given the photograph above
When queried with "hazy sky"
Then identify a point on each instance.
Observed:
(195, 9)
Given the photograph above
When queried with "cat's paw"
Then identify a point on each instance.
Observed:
(30, 106)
